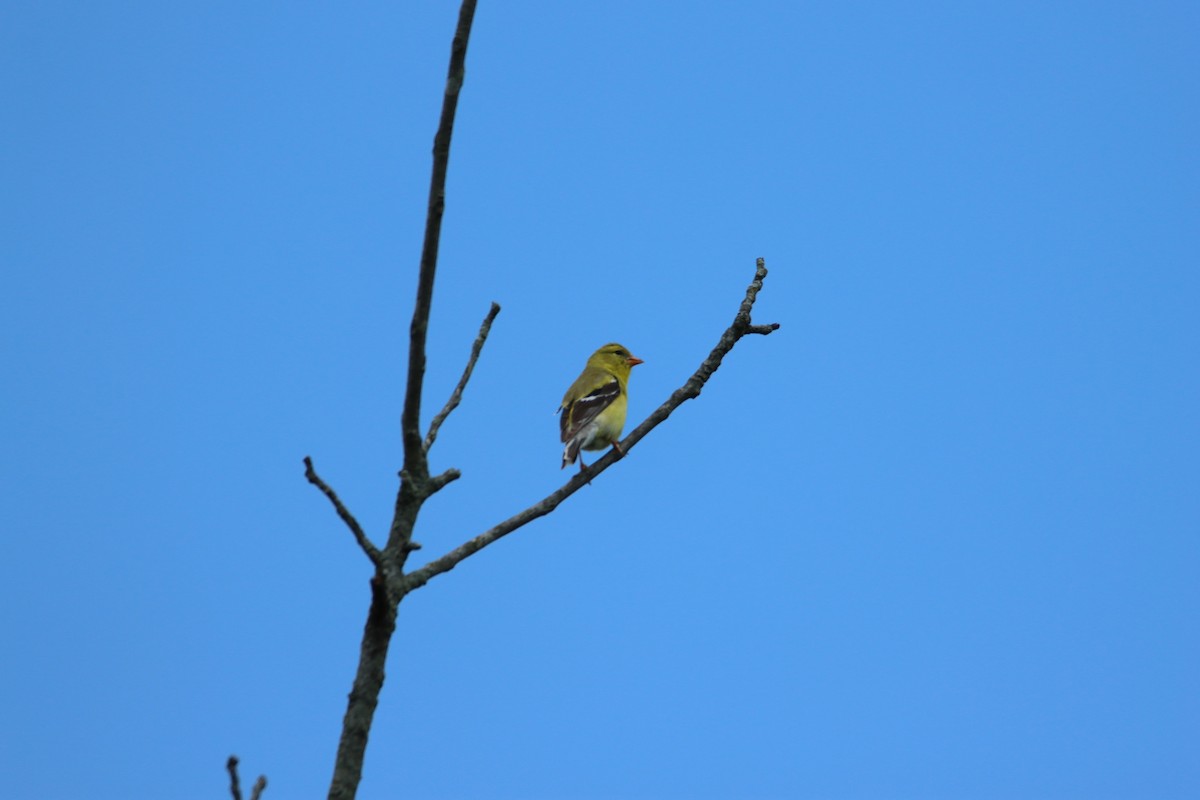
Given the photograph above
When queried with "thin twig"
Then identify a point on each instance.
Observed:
(410, 419)
(740, 327)
(456, 395)
(343, 512)
(437, 482)
(234, 787)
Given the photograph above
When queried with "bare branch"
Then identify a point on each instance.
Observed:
(763, 329)
(234, 787)
(389, 584)
(348, 518)
(740, 327)
(410, 420)
(438, 481)
(415, 483)
(456, 395)
(364, 694)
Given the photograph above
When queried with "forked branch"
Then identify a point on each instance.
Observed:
(456, 395)
(359, 535)
(410, 419)
(416, 485)
(235, 787)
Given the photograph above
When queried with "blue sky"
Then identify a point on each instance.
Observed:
(937, 537)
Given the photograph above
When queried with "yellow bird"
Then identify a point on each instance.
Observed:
(593, 409)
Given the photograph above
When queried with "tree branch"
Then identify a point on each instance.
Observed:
(390, 584)
(410, 419)
(348, 518)
(690, 389)
(456, 395)
(415, 483)
(437, 482)
(364, 694)
(235, 786)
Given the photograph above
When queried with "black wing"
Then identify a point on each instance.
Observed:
(587, 408)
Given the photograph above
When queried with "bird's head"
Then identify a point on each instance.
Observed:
(615, 358)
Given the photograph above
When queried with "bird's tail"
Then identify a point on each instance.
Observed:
(571, 452)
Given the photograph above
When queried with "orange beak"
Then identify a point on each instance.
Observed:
(634, 361)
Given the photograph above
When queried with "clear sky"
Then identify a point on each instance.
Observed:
(937, 537)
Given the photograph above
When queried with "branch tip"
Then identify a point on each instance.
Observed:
(360, 536)
(234, 786)
(456, 396)
(410, 417)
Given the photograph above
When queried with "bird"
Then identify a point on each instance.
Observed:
(593, 409)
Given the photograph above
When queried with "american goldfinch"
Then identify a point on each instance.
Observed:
(593, 409)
